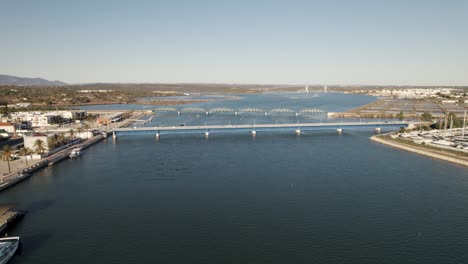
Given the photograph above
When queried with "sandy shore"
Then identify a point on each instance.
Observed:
(437, 154)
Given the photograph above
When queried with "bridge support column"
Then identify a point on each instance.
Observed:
(298, 132)
(339, 130)
(157, 136)
(254, 133)
(377, 129)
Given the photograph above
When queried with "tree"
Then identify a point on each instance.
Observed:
(3, 107)
(400, 115)
(39, 146)
(25, 152)
(457, 122)
(52, 142)
(61, 139)
(426, 116)
(7, 155)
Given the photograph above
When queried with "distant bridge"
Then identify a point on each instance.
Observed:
(253, 128)
(238, 111)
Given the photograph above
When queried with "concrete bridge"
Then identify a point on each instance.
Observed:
(253, 128)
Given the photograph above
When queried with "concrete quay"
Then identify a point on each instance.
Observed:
(26, 172)
(9, 216)
(433, 153)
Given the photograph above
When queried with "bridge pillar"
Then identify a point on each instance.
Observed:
(254, 133)
(298, 132)
(339, 130)
(157, 136)
(207, 134)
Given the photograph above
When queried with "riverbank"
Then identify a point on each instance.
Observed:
(21, 173)
(442, 154)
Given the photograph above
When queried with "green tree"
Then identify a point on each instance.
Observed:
(25, 152)
(457, 122)
(426, 116)
(39, 146)
(52, 142)
(71, 133)
(400, 115)
(3, 107)
(7, 155)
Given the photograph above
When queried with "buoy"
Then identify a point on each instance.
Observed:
(339, 130)
(298, 132)
(254, 133)
(207, 134)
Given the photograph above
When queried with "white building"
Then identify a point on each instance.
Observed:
(8, 127)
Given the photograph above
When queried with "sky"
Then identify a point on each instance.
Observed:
(344, 42)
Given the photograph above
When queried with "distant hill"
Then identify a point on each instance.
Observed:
(13, 80)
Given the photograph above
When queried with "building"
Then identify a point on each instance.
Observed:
(110, 118)
(30, 141)
(8, 127)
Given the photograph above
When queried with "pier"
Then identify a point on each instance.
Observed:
(254, 128)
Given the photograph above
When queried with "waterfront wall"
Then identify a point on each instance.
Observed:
(421, 151)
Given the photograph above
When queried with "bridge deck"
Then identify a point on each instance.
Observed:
(257, 127)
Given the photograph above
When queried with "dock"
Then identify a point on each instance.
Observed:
(9, 216)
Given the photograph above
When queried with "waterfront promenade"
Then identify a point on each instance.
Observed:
(441, 154)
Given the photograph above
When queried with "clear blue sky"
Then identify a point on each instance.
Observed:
(323, 42)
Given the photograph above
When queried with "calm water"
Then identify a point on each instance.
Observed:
(276, 198)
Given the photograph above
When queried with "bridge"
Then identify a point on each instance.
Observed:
(253, 128)
(245, 110)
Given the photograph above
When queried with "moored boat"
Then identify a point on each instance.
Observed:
(75, 153)
(8, 247)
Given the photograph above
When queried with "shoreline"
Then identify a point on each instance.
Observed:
(433, 153)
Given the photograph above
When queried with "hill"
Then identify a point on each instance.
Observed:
(22, 81)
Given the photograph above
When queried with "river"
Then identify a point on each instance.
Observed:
(277, 198)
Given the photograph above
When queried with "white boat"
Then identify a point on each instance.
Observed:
(8, 247)
(75, 153)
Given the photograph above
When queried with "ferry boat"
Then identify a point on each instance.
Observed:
(8, 247)
(75, 153)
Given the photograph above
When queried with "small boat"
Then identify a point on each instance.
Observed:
(8, 247)
(75, 153)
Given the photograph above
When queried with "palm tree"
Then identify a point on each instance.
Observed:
(52, 142)
(25, 152)
(7, 155)
(39, 145)
(71, 133)
(61, 139)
